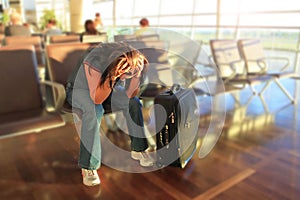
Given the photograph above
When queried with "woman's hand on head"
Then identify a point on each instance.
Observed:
(140, 64)
(126, 71)
(121, 70)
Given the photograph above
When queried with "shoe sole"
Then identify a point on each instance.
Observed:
(139, 159)
(93, 184)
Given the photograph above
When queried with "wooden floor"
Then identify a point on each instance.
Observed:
(256, 157)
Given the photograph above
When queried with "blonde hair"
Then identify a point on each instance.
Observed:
(125, 57)
(15, 18)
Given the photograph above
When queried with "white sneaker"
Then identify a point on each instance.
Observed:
(90, 177)
(144, 158)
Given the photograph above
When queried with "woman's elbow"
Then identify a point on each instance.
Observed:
(96, 100)
(131, 94)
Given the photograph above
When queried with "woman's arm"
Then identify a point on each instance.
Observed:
(97, 93)
(134, 83)
(134, 87)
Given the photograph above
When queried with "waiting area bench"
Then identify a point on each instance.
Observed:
(24, 108)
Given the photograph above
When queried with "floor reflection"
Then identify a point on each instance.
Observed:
(246, 112)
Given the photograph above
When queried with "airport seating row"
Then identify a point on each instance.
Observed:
(45, 105)
(24, 108)
(61, 60)
(243, 62)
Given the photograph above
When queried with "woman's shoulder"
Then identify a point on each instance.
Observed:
(96, 58)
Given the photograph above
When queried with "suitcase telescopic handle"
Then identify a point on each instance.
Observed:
(175, 88)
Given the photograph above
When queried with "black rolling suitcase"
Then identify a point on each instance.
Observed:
(176, 120)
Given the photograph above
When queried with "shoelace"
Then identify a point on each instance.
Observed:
(91, 173)
(145, 155)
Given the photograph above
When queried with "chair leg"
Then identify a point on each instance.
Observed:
(284, 90)
(264, 103)
(236, 100)
(252, 89)
(110, 121)
(239, 104)
(264, 88)
(249, 100)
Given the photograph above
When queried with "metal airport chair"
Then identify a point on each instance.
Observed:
(149, 37)
(63, 39)
(29, 40)
(231, 66)
(61, 61)
(233, 71)
(257, 63)
(23, 109)
(120, 38)
(94, 38)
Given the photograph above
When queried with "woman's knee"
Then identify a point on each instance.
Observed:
(96, 111)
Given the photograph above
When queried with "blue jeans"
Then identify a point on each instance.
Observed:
(90, 146)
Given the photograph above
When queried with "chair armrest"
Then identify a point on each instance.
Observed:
(211, 59)
(280, 58)
(180, 67)
(261, 63)
(238, 61)
(233, 67)
(232, 64)
(208, 64)
(59, 96)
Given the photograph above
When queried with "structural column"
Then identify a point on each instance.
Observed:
(80, 10)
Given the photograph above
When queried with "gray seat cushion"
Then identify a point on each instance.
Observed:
(28, 121)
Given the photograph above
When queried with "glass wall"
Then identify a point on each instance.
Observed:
(275, 23)
(105, 8)
(61, 8)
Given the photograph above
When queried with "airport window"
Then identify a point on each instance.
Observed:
(176, 7)
(204, 6)
(268, 5)
(144, 8)
(274, 22)
(205, 20)
(229, 6)
(106, 10)
(175, 21)
(270, 19)
(228, 20)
